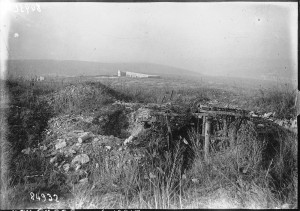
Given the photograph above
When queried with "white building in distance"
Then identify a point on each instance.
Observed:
(40, 78)
(136, 75)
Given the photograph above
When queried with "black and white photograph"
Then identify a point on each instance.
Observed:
(149, 105)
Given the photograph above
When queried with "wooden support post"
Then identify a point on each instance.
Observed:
(225, 127)
(203, 125)
(197, 126)
(207, 138)
(219, 125)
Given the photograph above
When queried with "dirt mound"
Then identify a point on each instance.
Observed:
(73, 142)
(86, 97)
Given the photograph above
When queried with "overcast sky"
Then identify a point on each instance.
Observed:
(212, 38)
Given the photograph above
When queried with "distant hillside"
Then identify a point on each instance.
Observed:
(78, 68)
(256, 68)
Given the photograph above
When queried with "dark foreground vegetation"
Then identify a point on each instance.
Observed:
(260, 171)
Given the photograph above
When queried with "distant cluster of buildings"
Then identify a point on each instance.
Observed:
(35, 78)
(135, 75)
(269, 76)
(27, 77)
(40, 78)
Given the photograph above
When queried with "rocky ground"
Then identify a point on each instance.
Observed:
(72, 149)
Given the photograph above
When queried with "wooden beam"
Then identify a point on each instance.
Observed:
(203, 114)
(200, 115)
(225, 127)
(207, 138)
(203, 126)
(168, 114)
(228, 113)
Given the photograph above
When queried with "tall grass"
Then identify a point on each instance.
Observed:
(26, 119)
(264, 164)
(143, 91)
(279, 99)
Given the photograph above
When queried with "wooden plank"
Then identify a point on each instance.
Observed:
(234, 136)
(167, 114)
(203, 127)
(225, 128)
(207, 139)
(200, 115)
(223, 113)
(216, 108)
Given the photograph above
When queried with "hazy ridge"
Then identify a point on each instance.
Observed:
(78, 68)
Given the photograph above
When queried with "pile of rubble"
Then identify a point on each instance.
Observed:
(71, 152)
(71, 149)
(290, 124)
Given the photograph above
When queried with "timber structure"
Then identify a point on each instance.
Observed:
(214, 121)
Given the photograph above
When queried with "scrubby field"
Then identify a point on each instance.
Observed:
(82, 145)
